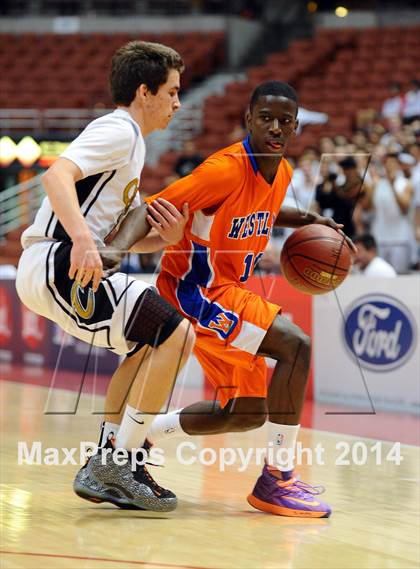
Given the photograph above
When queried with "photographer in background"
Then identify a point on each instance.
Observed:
(339, 196)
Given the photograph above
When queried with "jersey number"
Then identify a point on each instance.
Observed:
(250, 262)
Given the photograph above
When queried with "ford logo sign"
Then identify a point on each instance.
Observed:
(380, 331)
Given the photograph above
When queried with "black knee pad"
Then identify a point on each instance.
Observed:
(152, 320)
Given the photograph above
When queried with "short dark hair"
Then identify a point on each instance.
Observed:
(348, 162)
(277, 88)
(395, 85)
(367, 240)
(140, 62)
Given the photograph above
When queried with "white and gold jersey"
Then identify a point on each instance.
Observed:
(110, 153)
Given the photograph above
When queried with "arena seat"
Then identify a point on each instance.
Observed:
(70, 70)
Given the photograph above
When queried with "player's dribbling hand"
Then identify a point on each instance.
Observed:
(85, 263)
(167, 220)
(338, 227)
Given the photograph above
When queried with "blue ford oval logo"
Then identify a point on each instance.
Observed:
(380, 331)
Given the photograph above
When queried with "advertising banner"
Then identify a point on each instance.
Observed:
(35, 337)
(366, 344)
(29, 339)
(70, 353)
(10, 344)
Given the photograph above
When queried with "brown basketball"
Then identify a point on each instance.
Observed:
(315, 259)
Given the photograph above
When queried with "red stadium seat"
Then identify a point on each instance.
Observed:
(84, 59)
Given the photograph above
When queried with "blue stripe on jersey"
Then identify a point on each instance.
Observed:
(251, 156)
(208, 314)
(200, 272)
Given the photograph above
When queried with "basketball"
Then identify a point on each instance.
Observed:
(315, 259)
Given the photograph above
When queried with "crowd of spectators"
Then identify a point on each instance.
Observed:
(370, 182)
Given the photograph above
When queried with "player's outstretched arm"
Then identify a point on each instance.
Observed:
(134, 232)
(59, 183)
(293, 217)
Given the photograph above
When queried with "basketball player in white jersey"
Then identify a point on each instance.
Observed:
(90, 189)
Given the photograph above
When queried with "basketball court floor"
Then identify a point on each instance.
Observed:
(373, 490)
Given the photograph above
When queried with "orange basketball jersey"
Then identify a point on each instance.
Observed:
(232, 212)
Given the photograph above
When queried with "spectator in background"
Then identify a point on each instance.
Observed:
(302, 185)
(340, 196)
(388, 137)
(394, 105)
(412, 103)
(416, 264)
(407, 163)
(188, 160)
(414, 151)
(340, 140)
(359, 139)
(326, 145)
(391, 198)
(367, 260)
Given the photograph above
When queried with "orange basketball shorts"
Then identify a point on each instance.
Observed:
(230, 324)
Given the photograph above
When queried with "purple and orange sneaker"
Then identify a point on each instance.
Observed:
(277, 493)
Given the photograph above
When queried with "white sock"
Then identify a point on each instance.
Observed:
(107, 430)
(283, 439)
(165, 426)
(133, 430)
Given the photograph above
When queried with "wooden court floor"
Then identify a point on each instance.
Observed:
(375, 521)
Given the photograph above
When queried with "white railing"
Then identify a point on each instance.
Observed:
(19, 204)
(37, 121)
(67, 123)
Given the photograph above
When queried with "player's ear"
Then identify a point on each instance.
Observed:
(248, 121)
(296, 126)
(142, 91)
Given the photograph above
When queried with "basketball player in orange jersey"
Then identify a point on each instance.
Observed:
(234, 200)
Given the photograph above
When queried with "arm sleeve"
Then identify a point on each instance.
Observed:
(206, 186)
(103, 146)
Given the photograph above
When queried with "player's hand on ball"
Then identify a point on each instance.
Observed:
(167, 220)
(329, 221)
